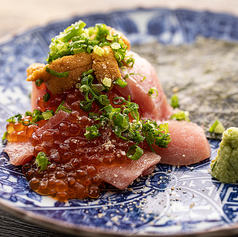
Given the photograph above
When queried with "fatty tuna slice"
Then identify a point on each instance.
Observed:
(121, 176)
(188, 144)
(19, 152)
(138, 88)
(53, 122)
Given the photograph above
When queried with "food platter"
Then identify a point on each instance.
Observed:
(173, 201)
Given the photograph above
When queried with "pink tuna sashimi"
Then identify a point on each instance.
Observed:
(121, 176)
(188, 144)
(35, 94)
(52, 122)
(19, 152)
(153, 108)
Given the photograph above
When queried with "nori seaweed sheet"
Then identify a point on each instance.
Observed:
(203, 74)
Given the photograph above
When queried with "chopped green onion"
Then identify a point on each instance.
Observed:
(46, 97)
(12, 119)
(154, 133)
(92, 132)
(63, 108)
(37, 118)
(36, 112)
(115, 46)
(93, 115)
(181, 115)
(86, 106)
(119, 100)
(129, 74)
(123, 68)
(120, 83)
(48, 114)
(119, 119)
(87, 73)
(103, 99)
(42, 161)
(134, 152)
(39, 82)
(98, 50)
(98, 88)
(110, 38)
(26, 122)
(174, 101)
(151, 91)
(217, 127)
(56, 74)
(130, 61)
(71, 31)
(107, 82)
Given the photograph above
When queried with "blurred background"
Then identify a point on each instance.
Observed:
(18, 15)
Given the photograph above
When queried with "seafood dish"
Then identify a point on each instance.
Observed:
(98, 115)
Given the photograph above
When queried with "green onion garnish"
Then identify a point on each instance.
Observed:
(56, 74)
(76, 39)
(151, 91)
(115, 46)
(46, 97)
(174, 101)
(217, 127)
(107, 82)
(119, 100)
(63, 108)
(13, 118)
(181, 115)
(86, 106)
(92, 132)
(42, 161)
(48, 114)
(93, 115)
(98, 50)
(37, 115)
(130, 61)
(39, 82)
(26, 122)
(134, 152)
(120, 83)
(119, 119)
(128, 74)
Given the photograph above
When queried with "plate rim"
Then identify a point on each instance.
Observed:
(76, 230)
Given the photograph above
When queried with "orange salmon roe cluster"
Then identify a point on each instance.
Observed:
(73, 172)
(18, 132)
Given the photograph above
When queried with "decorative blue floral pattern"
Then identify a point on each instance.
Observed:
(173, 200)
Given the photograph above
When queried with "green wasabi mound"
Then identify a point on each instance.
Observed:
(225, 166)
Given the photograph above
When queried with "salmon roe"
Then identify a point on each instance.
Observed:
(74, 160)
(18, 132)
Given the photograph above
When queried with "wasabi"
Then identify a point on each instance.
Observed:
(225, 166)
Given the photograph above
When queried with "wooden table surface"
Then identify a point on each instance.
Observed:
(16, 15)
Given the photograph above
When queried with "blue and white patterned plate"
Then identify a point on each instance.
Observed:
(173, 200)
